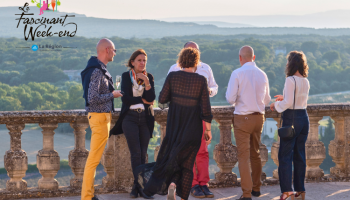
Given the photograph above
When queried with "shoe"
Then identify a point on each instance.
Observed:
(287, 196)
(94, 198)
(142, 193)
(171, 192)
(206, 191)
(244, 198)
(256, 194)
(197, 192)
(134, 193)
(302, 194)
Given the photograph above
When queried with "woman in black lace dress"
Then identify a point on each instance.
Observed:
(188, 95)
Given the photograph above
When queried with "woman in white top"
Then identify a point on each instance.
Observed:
(292, 151)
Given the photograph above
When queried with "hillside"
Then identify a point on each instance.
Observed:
(98, 27)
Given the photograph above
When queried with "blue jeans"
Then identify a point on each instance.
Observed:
(292, 151)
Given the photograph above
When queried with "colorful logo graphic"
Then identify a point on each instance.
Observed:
(35, 47)
(45, 5)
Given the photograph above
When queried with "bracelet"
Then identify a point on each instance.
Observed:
(148, 85)
(207, 130)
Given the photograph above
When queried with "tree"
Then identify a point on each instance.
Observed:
(331, 56)
(49, 73)
(309, 47)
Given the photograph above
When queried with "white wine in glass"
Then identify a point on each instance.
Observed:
(117, 81)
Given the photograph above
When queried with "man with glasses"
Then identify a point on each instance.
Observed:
(201, 167)
(99, 94)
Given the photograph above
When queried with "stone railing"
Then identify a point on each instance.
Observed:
(116, 158)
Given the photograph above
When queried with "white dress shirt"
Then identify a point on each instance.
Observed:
(204, 70)
(301, 94)
(248, 89)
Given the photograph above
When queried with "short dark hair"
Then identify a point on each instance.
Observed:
(297, 62)
(134, 55)
(188, 57)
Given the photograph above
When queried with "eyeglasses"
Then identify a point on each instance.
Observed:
(114, 50)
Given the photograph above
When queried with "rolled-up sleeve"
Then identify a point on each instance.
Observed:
(267, 98)
(213, 87)
(232, 89)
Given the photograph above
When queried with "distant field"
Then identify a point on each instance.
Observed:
(337, 97)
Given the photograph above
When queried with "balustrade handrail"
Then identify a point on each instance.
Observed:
(225, 153)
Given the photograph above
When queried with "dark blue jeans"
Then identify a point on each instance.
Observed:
(292, 151)
(137, 136)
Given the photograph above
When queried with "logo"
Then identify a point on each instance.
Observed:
(44, 25)
(45, 5)
(35, 47)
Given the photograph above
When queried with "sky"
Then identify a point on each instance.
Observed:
(158, 9)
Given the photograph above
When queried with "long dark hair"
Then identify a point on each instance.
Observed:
(297, 62)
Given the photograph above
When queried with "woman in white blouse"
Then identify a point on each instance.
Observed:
(292, 151)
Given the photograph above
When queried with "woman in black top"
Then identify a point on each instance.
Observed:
(136, 119)
(188, 95)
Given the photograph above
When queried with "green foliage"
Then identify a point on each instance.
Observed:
(331, 56)
(309, 46)
(45, 86)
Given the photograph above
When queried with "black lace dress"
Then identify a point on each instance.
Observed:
(189, 105)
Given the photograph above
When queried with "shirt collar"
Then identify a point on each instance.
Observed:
(102, 64)
(249, 64)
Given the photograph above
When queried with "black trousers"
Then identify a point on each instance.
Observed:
(137, 136)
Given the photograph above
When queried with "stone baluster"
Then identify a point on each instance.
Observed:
(162, 128)
(336, 148)
(347, 147)
(108, 162)
(47, 159)
(315, 151)
(274, 151)
(264, 155)
(15, 160)
(78, 156)
(225, 154)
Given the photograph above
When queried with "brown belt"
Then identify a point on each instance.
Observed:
(256, 113)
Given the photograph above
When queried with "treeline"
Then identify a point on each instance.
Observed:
(36, 81)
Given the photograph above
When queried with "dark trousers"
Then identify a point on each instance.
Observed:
(292, 152)
(137, 136)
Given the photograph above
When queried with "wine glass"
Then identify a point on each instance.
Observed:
(117, 81)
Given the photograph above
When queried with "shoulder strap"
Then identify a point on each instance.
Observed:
(294, 100)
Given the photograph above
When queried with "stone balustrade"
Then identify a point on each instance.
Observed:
(116, 158)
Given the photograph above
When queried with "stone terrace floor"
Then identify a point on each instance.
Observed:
(315, 191)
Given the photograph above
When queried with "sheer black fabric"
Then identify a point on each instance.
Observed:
(189, 104)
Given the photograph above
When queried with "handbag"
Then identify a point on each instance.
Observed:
(288, 132)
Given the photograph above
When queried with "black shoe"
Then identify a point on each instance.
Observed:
(256, 194)
(244, 198)
(142, 193)
(206, 191)
(197, 192)
(94, 198)
(134, 193)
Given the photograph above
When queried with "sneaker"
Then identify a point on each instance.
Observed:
(256, 194)
(206, 191)
(197, 192)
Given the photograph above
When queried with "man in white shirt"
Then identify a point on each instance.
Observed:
(248, 90)
(200, 180)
